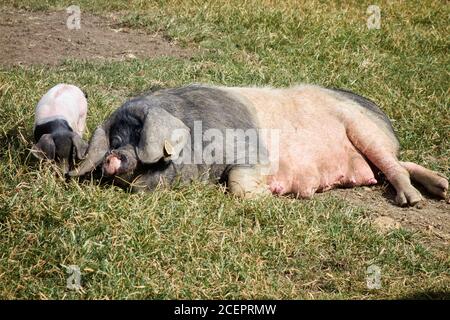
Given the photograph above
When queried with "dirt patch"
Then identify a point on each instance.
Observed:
(29, 38)
(431, 217)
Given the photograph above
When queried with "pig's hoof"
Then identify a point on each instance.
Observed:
(410, 196)
(438, 186)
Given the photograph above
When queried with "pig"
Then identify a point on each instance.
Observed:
(60, 120)
(326, 138)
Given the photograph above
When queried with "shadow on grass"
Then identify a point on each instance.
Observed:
(428, 295)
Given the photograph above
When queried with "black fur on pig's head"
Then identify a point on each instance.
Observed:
(126, 130)
(55, 140)
(148, 133)
(63, 145)
(60, 146)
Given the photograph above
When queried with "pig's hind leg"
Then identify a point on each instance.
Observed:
(434, 182)
(381, 148)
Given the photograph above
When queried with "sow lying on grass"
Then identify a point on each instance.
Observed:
(299, 140)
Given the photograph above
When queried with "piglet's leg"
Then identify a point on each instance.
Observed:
(247, 182)
(381, 149)
(434, 182)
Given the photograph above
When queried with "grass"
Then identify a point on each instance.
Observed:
(195, 241)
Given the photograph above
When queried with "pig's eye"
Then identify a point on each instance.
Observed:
(116, 141)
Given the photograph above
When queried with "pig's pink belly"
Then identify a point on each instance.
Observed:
(315, 164)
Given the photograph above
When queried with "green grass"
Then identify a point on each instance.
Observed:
(195, 241)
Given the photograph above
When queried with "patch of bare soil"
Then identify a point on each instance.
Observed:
(431, 217)
(28, 38)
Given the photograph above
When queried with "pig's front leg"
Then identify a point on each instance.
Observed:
(247, 182)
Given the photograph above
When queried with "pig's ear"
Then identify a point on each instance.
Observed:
(98, 147)
(45, 148)
(163, 136)
(80, 146)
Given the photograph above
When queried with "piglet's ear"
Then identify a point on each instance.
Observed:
(80, 146)
(163, 136)
(45, 148)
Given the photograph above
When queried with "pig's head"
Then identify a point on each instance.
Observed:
(62, 147)
(132, 137)
(120, 161)
(124, 135)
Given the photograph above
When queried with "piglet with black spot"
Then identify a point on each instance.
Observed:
(59, 125)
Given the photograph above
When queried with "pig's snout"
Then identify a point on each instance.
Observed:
(111, 165)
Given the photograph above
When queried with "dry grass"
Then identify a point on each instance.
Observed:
(195, 241)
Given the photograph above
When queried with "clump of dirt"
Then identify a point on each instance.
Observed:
(431, 217)
(29, 38)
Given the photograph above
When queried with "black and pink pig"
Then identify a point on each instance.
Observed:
(328, 138)
(60, 120)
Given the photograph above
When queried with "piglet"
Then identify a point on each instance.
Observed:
(59, 125)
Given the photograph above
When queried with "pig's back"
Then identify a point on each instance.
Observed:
(366, 104)
(309, 106)
(63, 101)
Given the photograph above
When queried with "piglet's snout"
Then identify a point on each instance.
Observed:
(111, 165)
